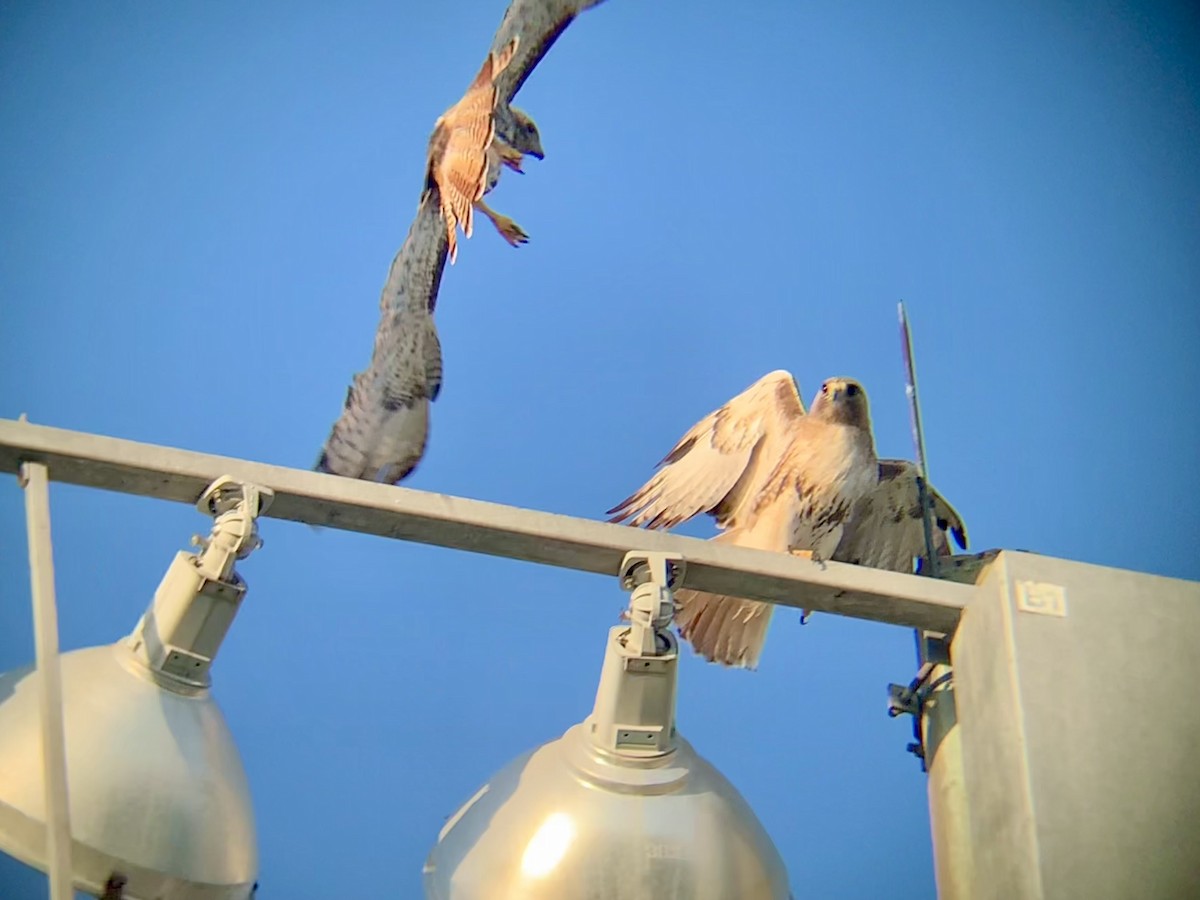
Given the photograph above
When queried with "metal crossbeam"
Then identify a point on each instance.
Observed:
(425, 517)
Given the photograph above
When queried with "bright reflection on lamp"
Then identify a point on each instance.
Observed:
(548, 846)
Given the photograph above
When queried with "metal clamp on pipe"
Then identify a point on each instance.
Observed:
(933, 650)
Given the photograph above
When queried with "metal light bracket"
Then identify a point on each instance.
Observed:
(179, 635)
(651, 579)
(634, 714)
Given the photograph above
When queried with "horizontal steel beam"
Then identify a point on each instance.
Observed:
(405, 514)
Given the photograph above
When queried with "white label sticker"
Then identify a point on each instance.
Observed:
(1042, 598)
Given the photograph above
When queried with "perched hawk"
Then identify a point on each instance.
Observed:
(466, 154)
(776, 478)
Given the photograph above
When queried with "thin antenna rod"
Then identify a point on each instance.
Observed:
(918, 433)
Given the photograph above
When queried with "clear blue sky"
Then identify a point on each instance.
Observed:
(199, 203)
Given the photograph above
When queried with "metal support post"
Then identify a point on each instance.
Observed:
(937, 743)
(36, 482)
(948, 800)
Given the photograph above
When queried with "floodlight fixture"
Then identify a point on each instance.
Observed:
(156, 795)
(621, 805)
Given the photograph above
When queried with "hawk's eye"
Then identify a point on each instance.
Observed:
(852, 390)
(824, 389)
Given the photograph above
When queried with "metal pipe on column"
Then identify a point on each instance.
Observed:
(949, 819)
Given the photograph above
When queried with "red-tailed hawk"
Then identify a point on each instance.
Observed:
(383, 428)
(777, 478)
(466, 154)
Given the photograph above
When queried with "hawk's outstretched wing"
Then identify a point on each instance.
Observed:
(720, 465)
(539, 23)
(886, 530)
(384, 425)
(458, 147)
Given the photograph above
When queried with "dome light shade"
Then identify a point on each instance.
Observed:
(620, 807)
(155, 796)
(156, 786)
(567, 822)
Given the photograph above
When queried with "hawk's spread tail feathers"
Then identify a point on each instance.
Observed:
(723, 629)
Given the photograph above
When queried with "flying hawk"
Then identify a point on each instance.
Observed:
(777, 478)
(466, 154)
(383, 428)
